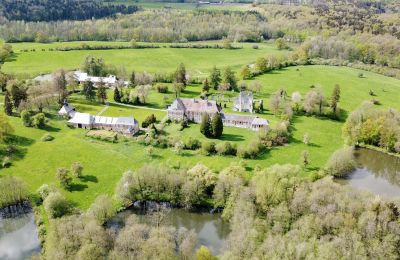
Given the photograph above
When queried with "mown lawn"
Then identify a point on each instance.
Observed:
(162, 60)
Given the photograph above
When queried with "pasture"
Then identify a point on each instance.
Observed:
(27, 64)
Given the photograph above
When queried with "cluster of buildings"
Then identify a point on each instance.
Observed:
(109, 81)
(193, 110)
(181, 109)
(123, 125)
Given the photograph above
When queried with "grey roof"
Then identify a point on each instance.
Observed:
(81, 118)
(197, 105)
(126, 121)
(254, 120)
(66, 109)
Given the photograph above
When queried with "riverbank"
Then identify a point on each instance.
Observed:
(377, 149)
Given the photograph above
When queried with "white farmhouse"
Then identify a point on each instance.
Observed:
(109, 81)
(244, 102)
(124, 125)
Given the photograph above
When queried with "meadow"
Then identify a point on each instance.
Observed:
(161, 60)
(104, 162)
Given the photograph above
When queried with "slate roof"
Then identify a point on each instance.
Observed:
(254, 120)
(66, 109)
(81, 118)
(196, 105)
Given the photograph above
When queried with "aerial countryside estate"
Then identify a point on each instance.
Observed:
(251, 129)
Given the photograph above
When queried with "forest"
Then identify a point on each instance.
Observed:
(54, 10)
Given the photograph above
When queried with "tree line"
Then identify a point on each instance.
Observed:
(147, 26)
(54, 10)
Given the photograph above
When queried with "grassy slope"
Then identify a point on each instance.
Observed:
(104, 163)
(197, 61)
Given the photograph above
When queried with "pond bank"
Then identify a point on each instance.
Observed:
(377, 172)
(209, 227)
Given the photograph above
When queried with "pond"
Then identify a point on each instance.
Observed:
(377, 172)
(18, 237)
(211, 231)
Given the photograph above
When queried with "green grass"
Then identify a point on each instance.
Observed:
(166, 60)
(354, 90)
(104, 162)
(183, 6)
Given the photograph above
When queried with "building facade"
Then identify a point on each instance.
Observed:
(123, 125)
(244, 102)
(193, 110)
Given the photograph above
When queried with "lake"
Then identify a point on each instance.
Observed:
(18, 237)
(211, 231)
(377, 172)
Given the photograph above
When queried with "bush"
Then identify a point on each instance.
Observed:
(56, 205)
(192, 144)
(151, 119)
(26, 117)
(77, 169)
(208, 148)
(341, 162)
(45, 191)
(46, 138)
(6, 162)
(102, 209)
(39, 120)
(225, 148)
(63, 177)
(162, 88)
(251, 150)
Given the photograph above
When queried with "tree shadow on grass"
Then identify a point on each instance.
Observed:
(89, 178)
(77, 187)
(232, 137)
(19, 140)
(50, 128)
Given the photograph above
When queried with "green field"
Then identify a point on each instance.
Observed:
(182, 6)
(104, 163)
(162, 60)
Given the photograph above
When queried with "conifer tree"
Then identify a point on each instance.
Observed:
(335, 98)
(117, 95)
(205, 127)
(7, 104)
(217, 126)
(206, 86)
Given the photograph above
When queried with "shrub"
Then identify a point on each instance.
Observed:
(208, 148)
(26, 117)
(192, 144)
(39, 120)
(251, 150)
(151, 119)
(45, 190)
(64, 178)
(225, 148)
(162, 88)
(56, 205)
(341, 162)
(6, 162)
(46, 138)
(102, 209)
(77, 169)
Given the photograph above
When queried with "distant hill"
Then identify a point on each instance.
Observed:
(54, 10)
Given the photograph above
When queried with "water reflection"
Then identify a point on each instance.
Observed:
(210, 229)
(18, 237)
(378, 173)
